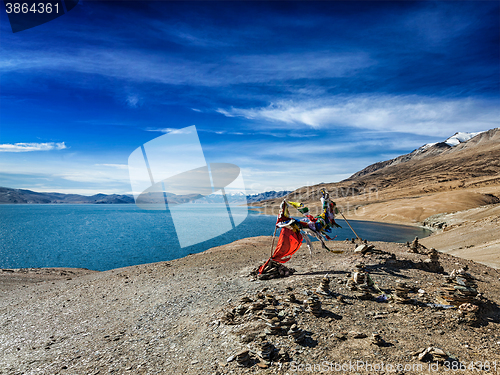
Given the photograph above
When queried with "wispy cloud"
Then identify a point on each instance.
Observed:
(117, 166)
(406, 114)
(133, 101)
(29, 147)
(237, 69)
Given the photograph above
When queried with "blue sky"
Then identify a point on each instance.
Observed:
(295, 93)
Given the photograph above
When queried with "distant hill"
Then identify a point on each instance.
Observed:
(22, 196)
(267, 195)
(31, 197)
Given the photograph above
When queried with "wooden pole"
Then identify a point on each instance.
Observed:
(358, 237)
(274, 235)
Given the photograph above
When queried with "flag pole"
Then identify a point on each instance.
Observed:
(274, 236)
(276, 228)
(358, 237)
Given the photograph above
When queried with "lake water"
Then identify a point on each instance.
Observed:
(103, 237)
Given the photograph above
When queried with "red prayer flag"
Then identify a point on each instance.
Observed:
(288, 244)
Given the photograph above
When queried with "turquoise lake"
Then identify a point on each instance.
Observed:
(103, 237)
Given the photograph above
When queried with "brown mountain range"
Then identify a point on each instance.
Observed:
(428, 187)
(410, 190)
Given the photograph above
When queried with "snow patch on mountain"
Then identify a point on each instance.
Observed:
(460, 137)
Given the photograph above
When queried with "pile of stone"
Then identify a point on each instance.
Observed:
(431, 354)
(241, 309)
(256, 306)
(361, 282)
(359, 275)
(378, 340)
(291, 298)
(459, 288)
(273, 327)
(324, 286)
(401, 293)
(415, 246)
(230, 318)
(364, 248)
(469, 314)
(270, 300)
(266, 351)
(432, 263)
(288, 321)
(269, 313)
(297, 334)
(351, 284)
(273, 270)
(243, 358)
(364, 292)
(313, 305)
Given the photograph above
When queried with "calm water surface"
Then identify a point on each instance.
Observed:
(103, 237)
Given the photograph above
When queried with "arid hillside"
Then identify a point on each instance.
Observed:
(436, 180)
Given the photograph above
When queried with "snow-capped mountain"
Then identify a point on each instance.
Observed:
(429, 149)
(460, 137)
(454, 140)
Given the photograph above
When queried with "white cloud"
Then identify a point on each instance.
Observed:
(404, 114)
(186, 130)
(28, 147)
(132, 101)
(139, 67)
(118, 166)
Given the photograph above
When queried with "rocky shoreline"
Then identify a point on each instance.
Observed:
(174, 317)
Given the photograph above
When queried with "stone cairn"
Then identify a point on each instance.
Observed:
(401, 293)
(297, 334)
(266, 352)
(272, 321)
(324, 286)
(415, 246)
(270, 300)
(459, 288)
(365, 292)
(243, 358)
(273, 270)
(377, 340)
(469, 314)
(359, 281)
(257, 306)
(359, 276)
(432, 263)
(229, 317)
(269, 313)
(291, 298)
(313, 305)
(288, 321)
(273, 327)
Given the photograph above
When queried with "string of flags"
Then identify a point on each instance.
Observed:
(294, 231)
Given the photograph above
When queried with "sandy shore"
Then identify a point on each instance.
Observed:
(167, 318)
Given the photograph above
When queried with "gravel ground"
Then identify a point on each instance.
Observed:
(168, 317)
